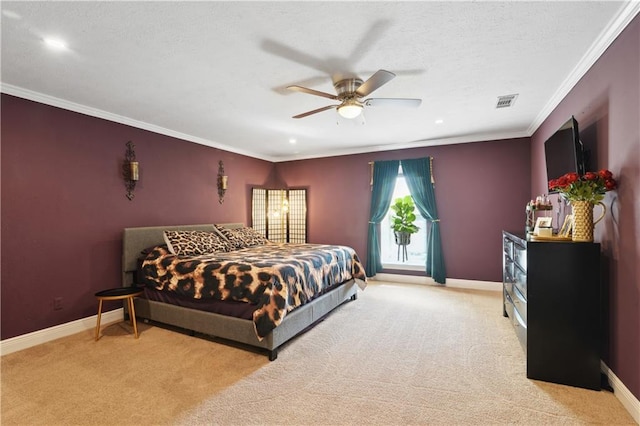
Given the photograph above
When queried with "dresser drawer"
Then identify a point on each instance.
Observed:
(507, 247)
(508, 288)
(516, 320)
(508, 271)
(520, 256)
(508, 306)
(520, 327)
(520, 281)
(520, 305)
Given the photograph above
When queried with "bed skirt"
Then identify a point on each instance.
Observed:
(242, 330)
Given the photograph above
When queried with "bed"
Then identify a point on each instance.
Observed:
(289, 320)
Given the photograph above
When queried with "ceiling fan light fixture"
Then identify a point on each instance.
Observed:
(350, 109)
(351, 91)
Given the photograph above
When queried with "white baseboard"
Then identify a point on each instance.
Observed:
(451, 282)
(28, 340)
(624, 395)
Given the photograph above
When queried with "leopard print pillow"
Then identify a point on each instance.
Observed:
(194, 243)
(243, 237)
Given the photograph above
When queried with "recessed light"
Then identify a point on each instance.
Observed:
(292, 141)
(55, 43)
(439, 121)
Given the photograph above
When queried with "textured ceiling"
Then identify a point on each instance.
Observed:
(215, 72)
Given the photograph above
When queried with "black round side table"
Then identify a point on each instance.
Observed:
(120, 293)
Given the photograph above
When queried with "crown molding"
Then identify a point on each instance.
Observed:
(602, 43)
(98, 113)
(479, 137)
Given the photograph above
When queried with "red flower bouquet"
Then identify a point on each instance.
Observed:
(589, 187)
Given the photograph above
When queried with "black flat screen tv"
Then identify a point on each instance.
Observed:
(563, 151)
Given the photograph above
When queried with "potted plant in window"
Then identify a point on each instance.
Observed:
(402, 222)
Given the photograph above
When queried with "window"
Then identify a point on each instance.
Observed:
(391, 253)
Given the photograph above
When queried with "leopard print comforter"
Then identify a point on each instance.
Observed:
(277, 278)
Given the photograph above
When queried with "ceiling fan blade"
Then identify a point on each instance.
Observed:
(396, 102)
(312, 92)
(294, 55)
(375, 82)
(315, 111)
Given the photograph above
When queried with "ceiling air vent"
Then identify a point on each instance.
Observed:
(506, 101)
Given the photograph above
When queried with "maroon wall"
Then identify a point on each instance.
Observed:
(606, 104)
(64, 205)
(481, 189)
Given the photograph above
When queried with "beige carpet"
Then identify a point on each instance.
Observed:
(400, 354)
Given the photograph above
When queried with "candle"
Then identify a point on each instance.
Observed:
(134, 170)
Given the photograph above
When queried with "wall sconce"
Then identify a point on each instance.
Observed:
(130, 170)
(223, 181)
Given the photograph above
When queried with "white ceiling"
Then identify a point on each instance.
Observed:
(216, 73)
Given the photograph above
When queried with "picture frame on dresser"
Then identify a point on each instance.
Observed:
(542, 222)
(567, 225)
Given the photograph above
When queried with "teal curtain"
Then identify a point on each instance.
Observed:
(417, 174)
(385, 174)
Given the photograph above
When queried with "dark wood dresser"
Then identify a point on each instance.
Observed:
(551, 295)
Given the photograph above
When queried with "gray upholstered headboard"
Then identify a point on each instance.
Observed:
(134, 240)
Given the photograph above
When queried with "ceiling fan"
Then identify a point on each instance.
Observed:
(351, 90)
